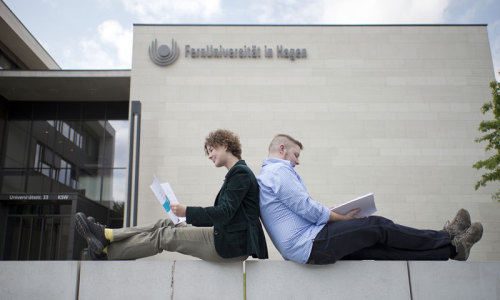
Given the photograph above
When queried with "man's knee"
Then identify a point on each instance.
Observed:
(163, 223)
(378, 220)
(165, 238)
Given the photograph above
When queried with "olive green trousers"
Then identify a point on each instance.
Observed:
(144, 241)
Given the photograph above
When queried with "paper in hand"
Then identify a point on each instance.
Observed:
(366, 203)
(165, 196)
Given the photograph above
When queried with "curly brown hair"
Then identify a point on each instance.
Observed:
(223, 137)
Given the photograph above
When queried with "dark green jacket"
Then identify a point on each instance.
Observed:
(234, 216)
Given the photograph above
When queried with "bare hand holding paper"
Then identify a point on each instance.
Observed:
(366, 203)
(166, 196)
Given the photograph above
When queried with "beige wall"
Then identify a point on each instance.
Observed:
(392, 110)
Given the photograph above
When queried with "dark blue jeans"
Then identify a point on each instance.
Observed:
(378, 238)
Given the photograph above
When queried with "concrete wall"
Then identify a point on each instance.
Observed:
(145, 279)
(392, 110)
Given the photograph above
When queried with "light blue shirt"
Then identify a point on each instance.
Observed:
(290, 216)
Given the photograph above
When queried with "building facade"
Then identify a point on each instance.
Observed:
(392, 110)
(57, 147)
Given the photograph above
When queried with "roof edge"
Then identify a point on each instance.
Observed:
(65, 73)
(307, 25)
(31, 46)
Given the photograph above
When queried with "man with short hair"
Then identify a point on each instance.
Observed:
(306, 231)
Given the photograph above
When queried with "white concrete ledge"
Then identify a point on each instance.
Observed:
(204, 280)
(141, 279)
(455, 280)
(38, 280)
(160, 279)
(343, 280)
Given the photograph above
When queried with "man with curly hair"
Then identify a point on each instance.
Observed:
(230, 230)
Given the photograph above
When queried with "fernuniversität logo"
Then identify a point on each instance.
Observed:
(163, 55)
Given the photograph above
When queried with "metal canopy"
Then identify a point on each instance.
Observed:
(59, 85)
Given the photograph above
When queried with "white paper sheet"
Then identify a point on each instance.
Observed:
(366, 203)
(166, 196)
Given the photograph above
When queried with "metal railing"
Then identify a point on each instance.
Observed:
(44, 229)
(36, 237)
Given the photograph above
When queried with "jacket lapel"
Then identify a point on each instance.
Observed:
(229, 173)
(217, 197)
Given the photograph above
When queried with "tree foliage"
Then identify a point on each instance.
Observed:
(491, 131)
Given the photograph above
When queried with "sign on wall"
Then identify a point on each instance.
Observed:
(164, 55)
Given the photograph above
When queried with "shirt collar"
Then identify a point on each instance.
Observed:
(272, 160)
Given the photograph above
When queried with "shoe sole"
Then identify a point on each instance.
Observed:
(480, 231)
(83, 229)
(94, 256)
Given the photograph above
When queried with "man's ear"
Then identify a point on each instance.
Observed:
(282, 149)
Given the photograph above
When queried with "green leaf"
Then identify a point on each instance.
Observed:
(491, 128)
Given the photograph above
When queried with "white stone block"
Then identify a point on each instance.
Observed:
(38, 280)
(205, 280)
(140, 279)
(455, 280)
(342, 280)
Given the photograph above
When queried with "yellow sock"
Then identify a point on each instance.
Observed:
(105, 250)
(108, 233)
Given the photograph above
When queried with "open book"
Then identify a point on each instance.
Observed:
(366, 203)
(165, 195)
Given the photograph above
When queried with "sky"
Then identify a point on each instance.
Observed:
(97, 34)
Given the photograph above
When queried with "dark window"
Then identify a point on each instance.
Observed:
(60, 147)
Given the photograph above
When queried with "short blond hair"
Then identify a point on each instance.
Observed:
(284, 139)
